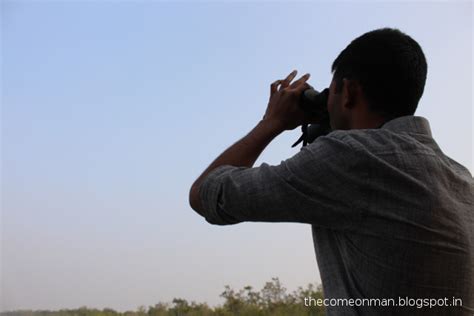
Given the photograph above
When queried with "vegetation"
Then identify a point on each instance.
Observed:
(272, 300)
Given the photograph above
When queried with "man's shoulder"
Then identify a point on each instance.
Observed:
(394, 145)
(366, 144)
(364, 139)
(401, 129)
(341, 146)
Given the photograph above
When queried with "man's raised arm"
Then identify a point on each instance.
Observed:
(282, 113)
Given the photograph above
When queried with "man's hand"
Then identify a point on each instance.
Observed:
(283, 109)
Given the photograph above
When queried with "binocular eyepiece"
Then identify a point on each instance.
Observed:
(314, 103)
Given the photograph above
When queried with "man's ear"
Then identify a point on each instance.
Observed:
(350, 92)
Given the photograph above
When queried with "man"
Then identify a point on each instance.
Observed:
(392, 216)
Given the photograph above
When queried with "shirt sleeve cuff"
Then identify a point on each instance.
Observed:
(209, 193)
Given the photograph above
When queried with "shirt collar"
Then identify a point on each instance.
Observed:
(409, 123)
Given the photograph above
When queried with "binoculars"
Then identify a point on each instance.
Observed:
(314, 103)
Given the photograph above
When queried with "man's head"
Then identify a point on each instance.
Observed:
(379, 76)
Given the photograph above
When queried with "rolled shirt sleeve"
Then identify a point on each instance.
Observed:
(321, 185)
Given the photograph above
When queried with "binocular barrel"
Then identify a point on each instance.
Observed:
(315, 104)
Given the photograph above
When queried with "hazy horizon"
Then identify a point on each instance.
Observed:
(110, 110)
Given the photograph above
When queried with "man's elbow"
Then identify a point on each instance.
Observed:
(194, 200)
(195, 203)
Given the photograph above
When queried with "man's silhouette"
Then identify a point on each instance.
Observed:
(391, 215)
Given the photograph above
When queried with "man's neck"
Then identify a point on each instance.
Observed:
(367, 121)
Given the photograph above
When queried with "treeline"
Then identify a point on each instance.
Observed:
(272, 299)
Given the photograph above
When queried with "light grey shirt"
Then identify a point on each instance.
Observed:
(391, 215)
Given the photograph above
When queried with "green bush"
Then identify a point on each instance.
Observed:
(271, 300)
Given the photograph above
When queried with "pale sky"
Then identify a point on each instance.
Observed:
(110, 110)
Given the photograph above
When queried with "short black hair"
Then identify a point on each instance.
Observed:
(390, 67)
